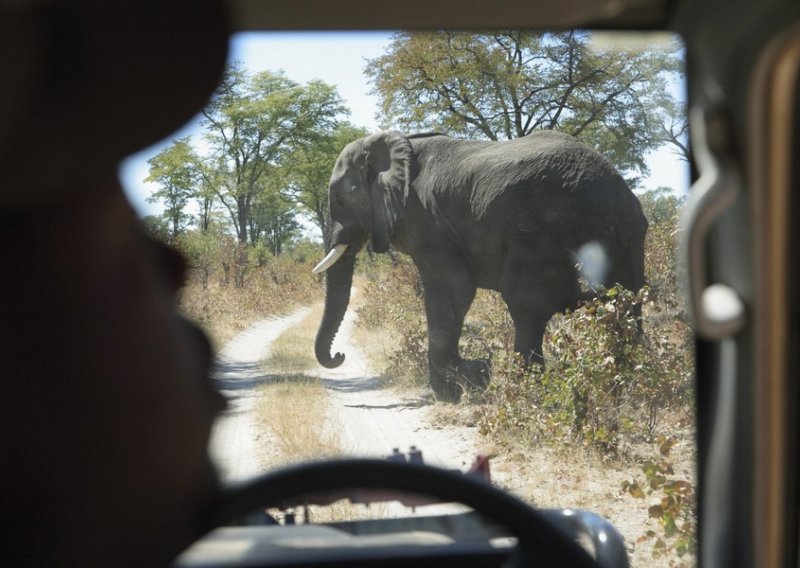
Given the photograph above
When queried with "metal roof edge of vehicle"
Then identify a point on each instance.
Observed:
(252, 15)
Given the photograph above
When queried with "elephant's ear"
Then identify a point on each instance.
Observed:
(389, 159)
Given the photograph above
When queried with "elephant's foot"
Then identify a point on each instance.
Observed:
(450, 383)
(446, 387)
(475, 373)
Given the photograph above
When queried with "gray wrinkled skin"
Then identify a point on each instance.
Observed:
(508, 216)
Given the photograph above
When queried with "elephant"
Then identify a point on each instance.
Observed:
(509, 216)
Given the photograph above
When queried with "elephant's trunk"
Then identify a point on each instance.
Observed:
(338, 281)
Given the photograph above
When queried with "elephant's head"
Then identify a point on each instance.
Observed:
(368, 190)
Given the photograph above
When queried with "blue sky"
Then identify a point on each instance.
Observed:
(337, 58)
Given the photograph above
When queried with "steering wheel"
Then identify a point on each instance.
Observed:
(540, 541)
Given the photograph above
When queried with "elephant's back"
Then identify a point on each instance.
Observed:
(548, 181)
(490, 166)
(543, 170)
(560, 159)
(544, 176)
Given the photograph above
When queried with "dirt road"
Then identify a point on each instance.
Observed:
(372, 419)
(237, 374)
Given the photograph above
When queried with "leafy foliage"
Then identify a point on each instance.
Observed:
(270, 144)
(174, 170)
(661, 205)
(604, 385)
(157, 227)
(506, 84)
(675, 504)
(203, 251)
(273, 222)
(229, 288)
(252, 125)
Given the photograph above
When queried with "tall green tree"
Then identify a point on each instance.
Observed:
(252, 124)
(505, 85)
(205, 194)
(174, 169)
(274, 222)
(661, 205)
(311, 171)
(156, 227)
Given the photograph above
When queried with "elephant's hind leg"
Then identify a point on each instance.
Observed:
(529, 328)
(537, 282)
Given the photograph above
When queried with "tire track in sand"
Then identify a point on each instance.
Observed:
(237, 374)
(370, 419)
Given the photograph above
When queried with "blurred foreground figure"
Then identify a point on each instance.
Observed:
(105, 400)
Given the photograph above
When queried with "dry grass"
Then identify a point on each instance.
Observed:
(293, 352)
(377, 344)
(295, 411)
(224, 310)
(295, 407)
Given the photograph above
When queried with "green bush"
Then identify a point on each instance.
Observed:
(604, 382)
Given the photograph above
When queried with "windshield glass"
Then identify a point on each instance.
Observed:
(502, 291)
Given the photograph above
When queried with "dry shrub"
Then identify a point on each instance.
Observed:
(663, 272)
(224, 309)
(604, 385)
(672, 502)
(393, 301)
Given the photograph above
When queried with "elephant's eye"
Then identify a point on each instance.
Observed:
(348, 190)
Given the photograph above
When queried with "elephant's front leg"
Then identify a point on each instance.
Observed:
(449, 291)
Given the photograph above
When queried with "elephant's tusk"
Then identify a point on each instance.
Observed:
(330, 260)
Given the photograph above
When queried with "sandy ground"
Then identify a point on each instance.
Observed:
(373, 420)
(237, 374)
